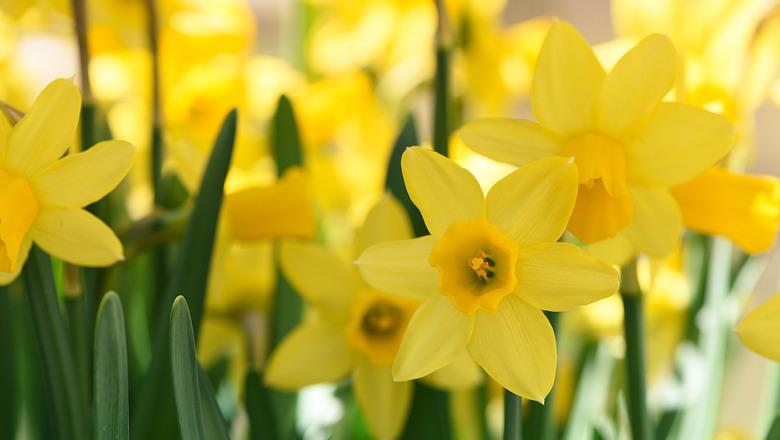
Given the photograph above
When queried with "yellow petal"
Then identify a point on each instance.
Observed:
(566, 82)
(400, 267)
(383, 402)
(516, 347)
(77, 237)
(313, 353)
(9, 277)
(18, 211)
(282, 210)
(657, 224)
(43, 135)
(679, 142)
(437, 333)
(461, 374)
(617, 250)
(82, 178)
(442, 190)
(320, 277)
(387, 221)
(510, 140)
(760, 329)
(561, 276)
(533, 204)
(744, 208)
(636, 85)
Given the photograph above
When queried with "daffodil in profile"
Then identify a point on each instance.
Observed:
(760, 329)
(629, 146)
(42, 193)
(488, 269)
(357, 329)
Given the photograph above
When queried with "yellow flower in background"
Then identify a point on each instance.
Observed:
(629, 146)
(744, 208)
(42, 194)
(759, 329)
(488, 269)
(358, 329)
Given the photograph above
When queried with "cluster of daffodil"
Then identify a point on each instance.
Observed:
(202, 240)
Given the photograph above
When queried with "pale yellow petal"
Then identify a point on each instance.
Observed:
(566, 82)
(437, 333)
(400, 267)
(48, 129)
(657, 223)
(510, 140)
(533, 204)
(679, 142)
(83, 178)
(442, 190)
(561, 276)
(77, 237)
(636, 85)
(325, 281)
(386, 221)
(313, 353)
(516, 347)
(617, 250)
(9, 277)
(461, 374)
(760, 329)
(383, 402)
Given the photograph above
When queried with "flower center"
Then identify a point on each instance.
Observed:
(378, 323)
(477, 265)
(18, 209)
(604, 205)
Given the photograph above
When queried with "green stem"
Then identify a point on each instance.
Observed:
(633, 325)
(8, 376)
(441, 122)
(540, 424)
(58, 362)
(513, 425)
(156, 139)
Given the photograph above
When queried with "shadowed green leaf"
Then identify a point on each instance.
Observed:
(184, 369)
(111, 401)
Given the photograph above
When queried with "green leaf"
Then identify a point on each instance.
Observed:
(394, 181)
(153, 414)
(184, 368)
(774, 430)
(287, 305)
(262, 425)
(286, 140)
(58, 363)
(441, 110)
(214, 424)
(8, 378)
(429, 416)
(111, 401)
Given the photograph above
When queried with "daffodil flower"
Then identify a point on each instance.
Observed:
(629, 146)
(488, 269)
(358, 328)
(760, 331)
(42, 193)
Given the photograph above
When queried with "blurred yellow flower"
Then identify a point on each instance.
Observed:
(759, 329)
(488, 268)
(625, 141)
(42, 194)
(358, 328)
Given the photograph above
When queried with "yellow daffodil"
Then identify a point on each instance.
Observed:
(358, 330)
(629, 146)
(488, 269)
(42, 194)
(760, 329)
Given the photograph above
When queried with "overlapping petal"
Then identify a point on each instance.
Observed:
(387, 221)
(657, 223)
(442, 190)
(533, 204)
(510, 140)
(760, 329)
(400, 267)
(383, 402)
(77, 237)
(561, 276)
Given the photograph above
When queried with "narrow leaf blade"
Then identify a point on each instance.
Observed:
(184, 369)
(111, 398)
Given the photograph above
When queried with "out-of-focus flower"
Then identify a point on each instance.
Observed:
(42, 194)
(624, 140)
(358, 329)
(759, 329)
(487, 270)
